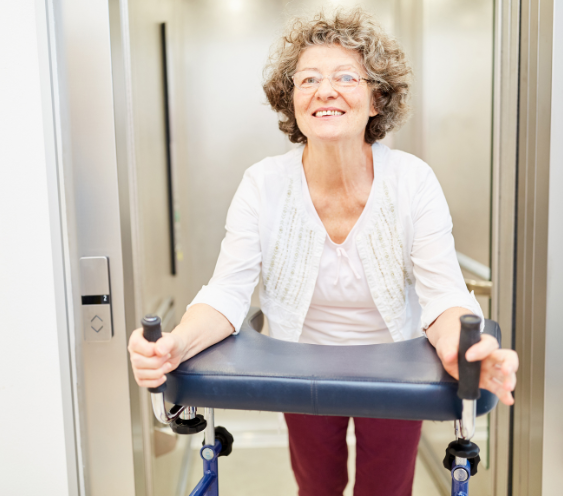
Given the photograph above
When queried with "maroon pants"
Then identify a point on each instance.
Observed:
(385, 455)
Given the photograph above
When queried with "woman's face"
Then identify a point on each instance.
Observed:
(350, 109)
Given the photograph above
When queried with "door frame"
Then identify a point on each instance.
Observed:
(504, 157)
(97, 215)
(503, 225)
(532, 228)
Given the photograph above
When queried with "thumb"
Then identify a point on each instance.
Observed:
(448, 353)
(167, 344)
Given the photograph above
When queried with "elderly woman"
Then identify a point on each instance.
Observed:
(353, 242)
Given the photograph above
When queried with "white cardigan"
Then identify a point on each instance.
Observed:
(406, 247)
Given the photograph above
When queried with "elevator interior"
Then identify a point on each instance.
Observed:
(190, 117)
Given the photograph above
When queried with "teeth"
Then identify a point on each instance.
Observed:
(322, 113)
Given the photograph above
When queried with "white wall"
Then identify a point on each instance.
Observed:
(35, 403)
(553, 407)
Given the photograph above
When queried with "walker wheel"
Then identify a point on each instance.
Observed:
(226, 438)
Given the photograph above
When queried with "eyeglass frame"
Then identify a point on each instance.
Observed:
(329, 76)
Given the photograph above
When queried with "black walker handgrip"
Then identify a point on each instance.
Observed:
(152, 332)
(469, 372)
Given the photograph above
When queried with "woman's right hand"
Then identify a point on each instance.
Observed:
(151, 361)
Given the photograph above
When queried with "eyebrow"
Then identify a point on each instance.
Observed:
(343, 66)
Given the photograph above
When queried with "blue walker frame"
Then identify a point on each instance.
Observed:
(209, 483)
(459, 487)
(209, 453)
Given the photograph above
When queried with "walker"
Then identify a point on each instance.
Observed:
(250, 371)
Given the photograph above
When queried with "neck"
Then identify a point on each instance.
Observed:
(336, 165)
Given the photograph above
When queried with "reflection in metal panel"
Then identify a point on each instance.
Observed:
(219, 125)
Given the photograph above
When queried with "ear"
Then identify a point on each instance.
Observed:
(372, 110)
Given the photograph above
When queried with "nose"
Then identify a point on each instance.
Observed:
(326, 91)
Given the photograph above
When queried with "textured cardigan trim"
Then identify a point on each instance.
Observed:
(290, 268)
(406, 247)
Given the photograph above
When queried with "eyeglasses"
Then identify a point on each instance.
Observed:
(310, 81)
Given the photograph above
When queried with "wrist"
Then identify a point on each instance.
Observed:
(182, 343)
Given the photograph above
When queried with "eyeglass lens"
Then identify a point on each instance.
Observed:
(310, 80)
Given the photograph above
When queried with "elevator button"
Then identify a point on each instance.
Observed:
(97, 324)
(96, 298)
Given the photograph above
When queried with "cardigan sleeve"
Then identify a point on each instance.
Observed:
(238, 267)
(439, 282)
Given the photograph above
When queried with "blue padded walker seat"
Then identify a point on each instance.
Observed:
(250, 371)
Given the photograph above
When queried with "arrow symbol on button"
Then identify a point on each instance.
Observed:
(97, 323)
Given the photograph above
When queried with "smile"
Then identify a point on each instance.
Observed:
(324, 113)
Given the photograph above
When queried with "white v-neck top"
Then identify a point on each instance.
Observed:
(342, 310)
(405, 246)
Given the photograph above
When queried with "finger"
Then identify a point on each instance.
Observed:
(153, 374)
(491, 367)
(150, 383)
(501, 361)
(507, 398)
(142, 362)
(450, 355)
(447, 351)
(138, 344)
(166, 345)
(507, 379)
(509, 361)
(507, 382)
(482, 349)
(496, 386)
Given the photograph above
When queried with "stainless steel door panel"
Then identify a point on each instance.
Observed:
(92, 183)
(220, 126)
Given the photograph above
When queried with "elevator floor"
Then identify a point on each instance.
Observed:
(259, 464)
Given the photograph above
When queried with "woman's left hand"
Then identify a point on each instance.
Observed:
(498, 366)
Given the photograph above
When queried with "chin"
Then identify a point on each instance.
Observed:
(330, 137)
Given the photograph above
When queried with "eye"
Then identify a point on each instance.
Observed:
(309, 80)
(346, 78)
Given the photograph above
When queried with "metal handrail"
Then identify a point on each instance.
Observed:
(476, 268)
(483, 287)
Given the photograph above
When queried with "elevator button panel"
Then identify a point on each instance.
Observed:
(96, 298)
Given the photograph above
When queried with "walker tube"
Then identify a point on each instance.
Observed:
(209, 483)
(152, 332)
(460, 477)
(469, 372)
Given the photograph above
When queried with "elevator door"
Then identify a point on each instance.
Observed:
(453, 55)
(190, 156)
(158, 116)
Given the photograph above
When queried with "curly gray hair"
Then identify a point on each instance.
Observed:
(383, 59)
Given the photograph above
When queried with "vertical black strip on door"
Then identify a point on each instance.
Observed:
(168, 150)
